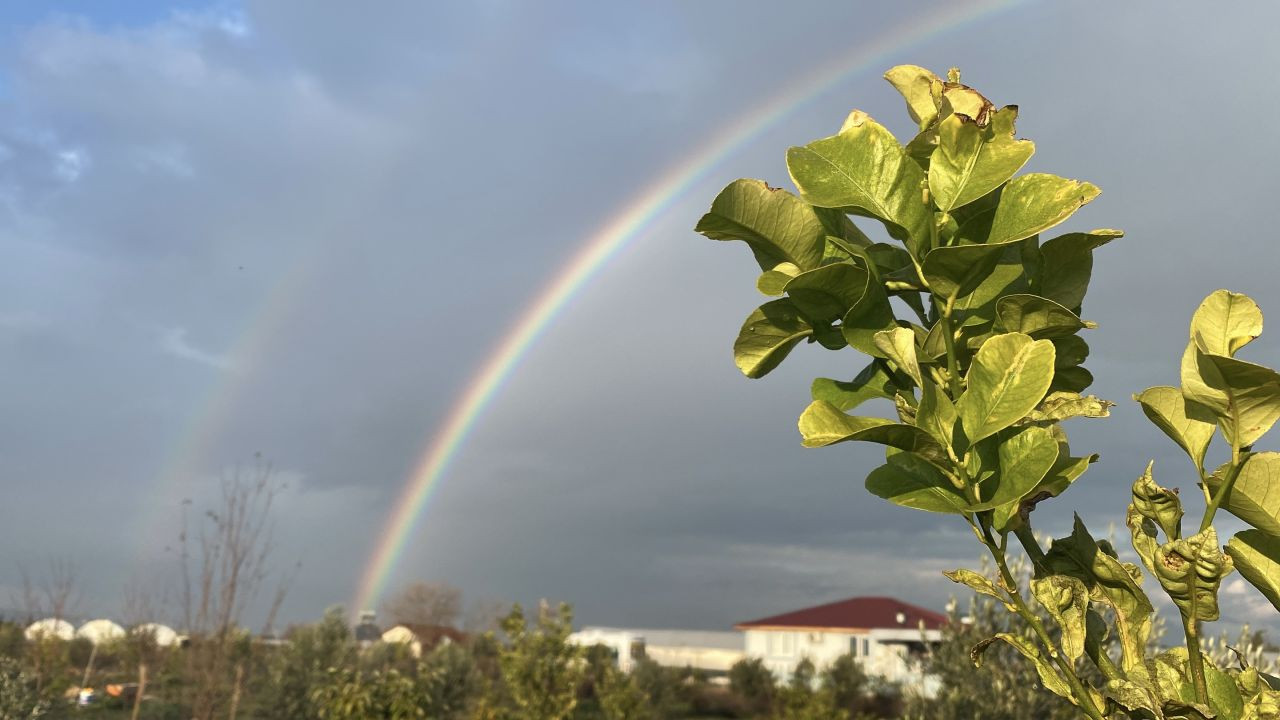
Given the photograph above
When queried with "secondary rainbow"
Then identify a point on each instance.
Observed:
(596, 252)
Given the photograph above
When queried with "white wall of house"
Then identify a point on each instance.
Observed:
(711, 651)
(619, 641)
(880, 652)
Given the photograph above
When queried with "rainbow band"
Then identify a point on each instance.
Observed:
(603, 245)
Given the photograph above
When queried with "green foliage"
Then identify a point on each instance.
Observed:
(540, 669)
(620, 699)
(306, 662)
(753, 682)
(984, 372)
(19, 699)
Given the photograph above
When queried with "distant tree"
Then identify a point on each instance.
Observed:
(800, 700)
(1004, 688)
(19, 697)
(225, 565)
(540, 669)
(423, 603)
(847, 682)
(660, 685)
(349, 694)
(752, 681)
(451, 682)
(484, 615)
(302, 665)
(620, 699)
(53, 597)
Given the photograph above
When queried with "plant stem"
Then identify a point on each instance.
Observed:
(1083, 699)
(948, 337)
(1212, 508)
(1191, 628)
(1030, 544)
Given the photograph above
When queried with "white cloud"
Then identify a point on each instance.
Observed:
(174, 342)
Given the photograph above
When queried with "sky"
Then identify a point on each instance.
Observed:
(296, 231)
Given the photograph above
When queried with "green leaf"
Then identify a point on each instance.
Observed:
(957, 270)
(868, 316)
(977, 309)
(1071, 379)
(1257, 557)
(1007, 379)
(768, 335)
(873, 382)
(825, 294)
(1225, 322)
(1066, 599)
(978, 583)
(777, 225)
(1110, 582)
(899, 346)
(1068, 265)
(863, 168)
(1024, 460)
(1158, 504)
(972, 160)
(911, 481)
(1065, 470)
(1038, 317)
(1035, 202)
(1071, 351)
(822, 424)
(1255, 495)
(841, 232)
(1245, 397)
(1190, 571)
(774, 282)
(1049, 677)
(1224, 695)
(920, 88)
(1167, 409)
(936, 414)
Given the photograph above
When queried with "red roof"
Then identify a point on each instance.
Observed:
(860, 613)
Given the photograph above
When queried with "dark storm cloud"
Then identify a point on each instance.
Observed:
(322, 220)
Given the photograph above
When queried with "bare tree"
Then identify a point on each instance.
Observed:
(140, 610)
(225, 565)
(53, 598)
(484, 615)
(425, 604)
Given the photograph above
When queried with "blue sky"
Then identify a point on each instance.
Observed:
(299, 228)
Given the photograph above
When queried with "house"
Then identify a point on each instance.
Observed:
(884, 634)
(423, 637)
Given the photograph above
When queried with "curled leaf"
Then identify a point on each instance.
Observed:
(1049, 677)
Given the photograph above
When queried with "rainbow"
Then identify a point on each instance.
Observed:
(597, 251)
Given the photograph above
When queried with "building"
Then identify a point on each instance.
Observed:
(884, 634)
(709, 651)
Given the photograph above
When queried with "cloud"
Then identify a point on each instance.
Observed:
(174, 342)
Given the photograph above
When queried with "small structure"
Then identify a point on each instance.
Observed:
(50, 628)
(401, 635)
(367, 631)
(100, 631)
(886, 636)
(163, 635)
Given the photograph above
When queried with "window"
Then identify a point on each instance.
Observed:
(866, 647)
(854, 647)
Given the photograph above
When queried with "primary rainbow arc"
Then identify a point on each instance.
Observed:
(597, 251)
